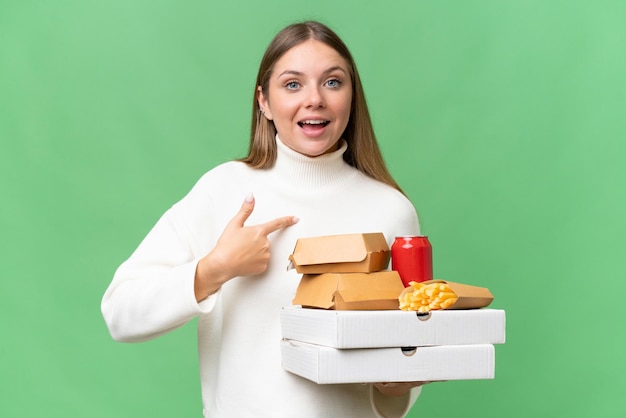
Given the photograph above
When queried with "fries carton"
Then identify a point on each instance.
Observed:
(350, 291)
(468, 296)
(347, 253)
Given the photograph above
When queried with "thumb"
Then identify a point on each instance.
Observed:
(245, 211)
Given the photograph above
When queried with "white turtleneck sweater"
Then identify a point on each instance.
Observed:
(238, 327)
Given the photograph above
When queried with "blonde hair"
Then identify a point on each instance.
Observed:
(363, 151)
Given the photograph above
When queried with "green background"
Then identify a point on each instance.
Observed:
(503, 120)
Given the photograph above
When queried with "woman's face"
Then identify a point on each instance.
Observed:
(310, 93)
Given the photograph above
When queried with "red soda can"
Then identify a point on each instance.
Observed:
(412, 258)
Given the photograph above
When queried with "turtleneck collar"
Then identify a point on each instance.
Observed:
(310, 173)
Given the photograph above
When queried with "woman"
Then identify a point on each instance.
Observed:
(220, 254)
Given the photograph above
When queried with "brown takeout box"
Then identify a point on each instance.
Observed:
(350, 291)
(347, 253)
(469, 296)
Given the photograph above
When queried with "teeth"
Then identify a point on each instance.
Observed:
(313, 122)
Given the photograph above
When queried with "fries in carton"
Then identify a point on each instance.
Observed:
(442, 294)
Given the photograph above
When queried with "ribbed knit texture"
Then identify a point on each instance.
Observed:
(312, 174)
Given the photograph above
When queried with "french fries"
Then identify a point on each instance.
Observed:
(427, 297)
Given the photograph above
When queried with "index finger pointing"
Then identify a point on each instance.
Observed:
(278, 223)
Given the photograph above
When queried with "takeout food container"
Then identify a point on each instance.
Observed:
(347, 329)
(347, 253)
(350, 291)
(469, 297)
(327, 365)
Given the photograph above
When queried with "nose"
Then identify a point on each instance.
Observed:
(315, 98)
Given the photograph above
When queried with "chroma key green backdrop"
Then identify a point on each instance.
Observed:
(503, 121)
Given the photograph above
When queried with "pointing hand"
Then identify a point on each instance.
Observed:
(240, 251)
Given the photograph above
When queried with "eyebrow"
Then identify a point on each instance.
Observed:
(298, 73)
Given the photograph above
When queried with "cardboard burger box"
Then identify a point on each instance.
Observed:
(350, 291)
(348, 329)
(327, 365)
(346, 253)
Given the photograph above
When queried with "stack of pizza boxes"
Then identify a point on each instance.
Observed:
(345, 325)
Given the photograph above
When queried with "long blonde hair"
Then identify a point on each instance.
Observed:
(363, 151)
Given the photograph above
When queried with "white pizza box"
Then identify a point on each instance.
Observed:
(392, 328)
(327, 365)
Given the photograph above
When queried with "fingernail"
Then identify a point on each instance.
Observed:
(249, 197)
(295, 219)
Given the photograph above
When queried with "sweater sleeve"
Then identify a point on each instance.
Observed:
(152, 292)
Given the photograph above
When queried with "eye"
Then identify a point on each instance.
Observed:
(333, 83)
(292, 85)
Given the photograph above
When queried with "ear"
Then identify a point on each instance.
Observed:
(263, 104)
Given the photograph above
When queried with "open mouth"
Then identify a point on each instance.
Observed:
(313, 123)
